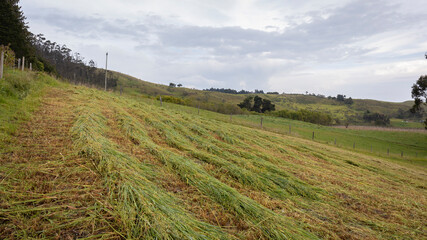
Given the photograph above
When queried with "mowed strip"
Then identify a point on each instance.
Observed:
(47, 191)
(199, 205)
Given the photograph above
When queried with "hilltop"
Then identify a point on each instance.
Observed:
(77, 162)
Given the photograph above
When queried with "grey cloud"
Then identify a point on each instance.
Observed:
(321, 39)
(233, 54)
(345, 25)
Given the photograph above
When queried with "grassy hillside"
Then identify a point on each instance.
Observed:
(372, 141)
(20, 94)
(226, 103)
(93, 164)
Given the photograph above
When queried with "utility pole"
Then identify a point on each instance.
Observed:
(106, 61)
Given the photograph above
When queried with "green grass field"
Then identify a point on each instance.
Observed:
(411, 143)
(226, 103)
(96, 165)
(399, 123)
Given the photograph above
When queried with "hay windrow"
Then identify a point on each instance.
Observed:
(145, 210)
(270, 224)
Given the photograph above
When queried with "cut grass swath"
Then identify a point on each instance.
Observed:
(244, 167)
(146, 211)
(270, 224)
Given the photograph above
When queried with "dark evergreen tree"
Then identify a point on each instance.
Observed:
(13, 29)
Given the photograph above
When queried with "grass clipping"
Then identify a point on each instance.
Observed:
(145, 210)
(270, 224)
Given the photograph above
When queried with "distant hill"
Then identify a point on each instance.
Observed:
(227, 103)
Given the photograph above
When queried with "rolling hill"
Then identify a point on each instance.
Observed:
(77, 162)
(227, 103)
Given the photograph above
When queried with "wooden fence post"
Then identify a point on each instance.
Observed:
(1, 64)
(312, 137)
(106, 71)
(261, 122)
(19, 63)
(289, 128)
(23, 63)
(161, 103)
(31, 66)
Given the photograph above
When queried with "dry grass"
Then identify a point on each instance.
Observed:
(46, 191)
(154, 173)
(358, 197)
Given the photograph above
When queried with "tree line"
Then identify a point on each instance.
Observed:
(376, 118)
(71, 65)
(44, 54)
(257, 104)
(232, 91)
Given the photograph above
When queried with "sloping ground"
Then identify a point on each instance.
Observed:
(91, 163)
(259, 184)
(47, 191)
(227, 103)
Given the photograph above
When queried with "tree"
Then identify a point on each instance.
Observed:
(247, 103)
(257, 104)
(340, 98)
(172, 85)
(377, 118)
(419, 94)
(267, 106)
(13, 29)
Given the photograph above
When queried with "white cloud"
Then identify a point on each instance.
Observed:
(325, 47)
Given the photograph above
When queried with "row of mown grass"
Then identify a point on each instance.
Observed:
(272, 226)
(146, 211)
(267, 179)
(390, 144)
(46, 191)
(275, 186)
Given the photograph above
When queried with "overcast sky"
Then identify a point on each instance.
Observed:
(363, 49)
